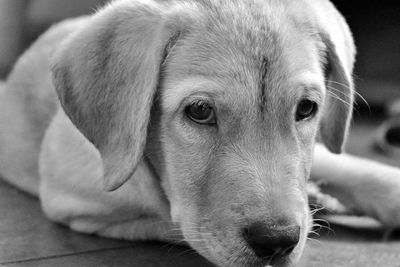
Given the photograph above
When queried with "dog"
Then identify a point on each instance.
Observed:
(192, 121)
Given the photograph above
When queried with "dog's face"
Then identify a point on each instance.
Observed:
(237, 128)
(226, 101)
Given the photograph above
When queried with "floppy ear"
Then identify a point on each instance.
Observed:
(106, 76)
(340, 52)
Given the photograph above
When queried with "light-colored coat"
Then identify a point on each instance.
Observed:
(124, 78)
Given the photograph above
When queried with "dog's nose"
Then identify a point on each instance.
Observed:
(271, 242)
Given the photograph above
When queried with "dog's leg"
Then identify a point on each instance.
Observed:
(145, 229)
(364, 185)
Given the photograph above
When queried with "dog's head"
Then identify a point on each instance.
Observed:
(226, 100)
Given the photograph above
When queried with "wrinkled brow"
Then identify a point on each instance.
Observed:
(174, 93)
(263, 74)
(314, 92)
(312, 86)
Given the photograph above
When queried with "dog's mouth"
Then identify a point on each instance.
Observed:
(229, 247)
(280, 258)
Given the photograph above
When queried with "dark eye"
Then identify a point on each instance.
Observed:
(306, 109)
(200, 112)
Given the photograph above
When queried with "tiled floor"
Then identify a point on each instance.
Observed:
(27, 238)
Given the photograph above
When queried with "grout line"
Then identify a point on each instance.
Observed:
(60, 255)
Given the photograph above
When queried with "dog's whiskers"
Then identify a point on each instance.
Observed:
(314, 240)
(316, 210)
(312, 232)
(345, 95)
(337, 97)
(318, 226)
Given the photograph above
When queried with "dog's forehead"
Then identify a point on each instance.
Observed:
(248, 49)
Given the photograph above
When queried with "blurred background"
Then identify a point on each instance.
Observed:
(376, 28)
(21, 21)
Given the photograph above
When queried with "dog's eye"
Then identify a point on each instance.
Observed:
(306, 109)
(200, 112)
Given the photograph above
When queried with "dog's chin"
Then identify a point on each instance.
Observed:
(243, 260)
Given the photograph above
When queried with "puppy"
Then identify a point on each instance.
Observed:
(199, 116)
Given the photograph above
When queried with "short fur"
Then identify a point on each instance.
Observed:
(123, 78)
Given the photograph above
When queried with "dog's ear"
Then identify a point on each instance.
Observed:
(340, 56)
(106, 76)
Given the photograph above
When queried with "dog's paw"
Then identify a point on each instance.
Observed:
(379, 196)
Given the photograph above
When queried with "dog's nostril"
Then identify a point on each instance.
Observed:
(271, 242)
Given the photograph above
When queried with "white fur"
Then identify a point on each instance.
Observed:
(71, 190)
(361, 184)
(27, 104)
(175, 93)
(106, 76)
